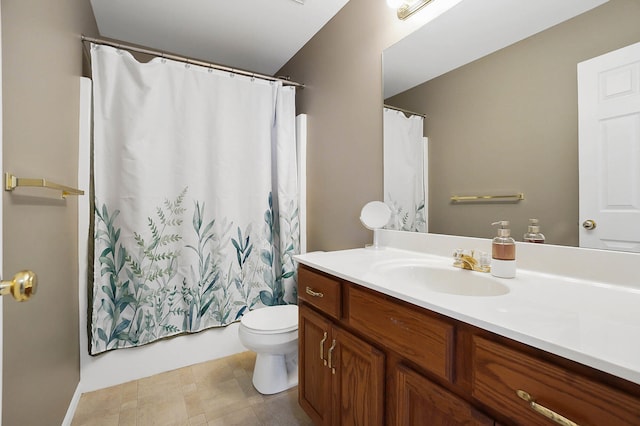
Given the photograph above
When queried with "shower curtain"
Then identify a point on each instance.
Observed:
(404, 171)
(196, 198)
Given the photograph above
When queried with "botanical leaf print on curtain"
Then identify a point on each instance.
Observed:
(196, 211)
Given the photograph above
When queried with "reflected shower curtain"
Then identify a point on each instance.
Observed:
(196, 198)
(404, 171)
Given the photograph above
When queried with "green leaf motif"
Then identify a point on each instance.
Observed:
(266, 257)
(167, 278)
(266, 298)
(288, 274)
(102, 335)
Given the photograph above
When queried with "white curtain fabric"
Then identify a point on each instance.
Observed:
(404, 170)
(196, 198)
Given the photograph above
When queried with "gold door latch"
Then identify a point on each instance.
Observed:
(22, 286)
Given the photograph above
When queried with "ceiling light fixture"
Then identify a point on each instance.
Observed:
(409, 8)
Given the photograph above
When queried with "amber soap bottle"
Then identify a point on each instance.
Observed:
(533, 234)
(503, 252)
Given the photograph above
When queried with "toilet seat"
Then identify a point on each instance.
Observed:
(272, 319)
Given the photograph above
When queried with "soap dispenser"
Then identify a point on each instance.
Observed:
(533, 234)
(503, 252)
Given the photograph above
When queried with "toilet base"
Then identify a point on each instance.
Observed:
(275, 373)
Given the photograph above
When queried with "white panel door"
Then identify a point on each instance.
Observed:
(609, 150)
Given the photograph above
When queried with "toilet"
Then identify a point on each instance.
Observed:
(272, 333)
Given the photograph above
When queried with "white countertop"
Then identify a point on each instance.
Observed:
(590, 322)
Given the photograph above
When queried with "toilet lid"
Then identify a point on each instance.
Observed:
(275, 319)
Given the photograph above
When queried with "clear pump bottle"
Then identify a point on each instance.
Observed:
(503, 252)
(533, 234)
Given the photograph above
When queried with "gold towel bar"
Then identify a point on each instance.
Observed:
(515, 197)
(11, 182)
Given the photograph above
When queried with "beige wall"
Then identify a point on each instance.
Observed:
(509, 123)
(42, 63)
(342, 71)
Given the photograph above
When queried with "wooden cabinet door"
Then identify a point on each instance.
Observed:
(314, 386)
(358, 381)
(422, 402)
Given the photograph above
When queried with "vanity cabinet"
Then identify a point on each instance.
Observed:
(367, 358)
(345, 334)
(341, 377)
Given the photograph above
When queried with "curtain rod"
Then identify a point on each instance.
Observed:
(405, 111)
(285, 81)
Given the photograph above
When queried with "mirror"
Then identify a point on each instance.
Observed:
(497, 82)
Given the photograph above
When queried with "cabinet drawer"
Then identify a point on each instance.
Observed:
(499, 372)
(412, 333)
(320, 291)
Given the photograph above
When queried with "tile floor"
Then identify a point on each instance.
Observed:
(213, 393)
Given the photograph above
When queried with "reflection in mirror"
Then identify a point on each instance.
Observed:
(404, 153)
(504, 118)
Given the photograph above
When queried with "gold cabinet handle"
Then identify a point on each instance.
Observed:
(324, 339)
(552, 415)
(314, 293)
(330, 353)
(22, 286)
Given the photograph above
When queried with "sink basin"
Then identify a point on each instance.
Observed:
(419, 274)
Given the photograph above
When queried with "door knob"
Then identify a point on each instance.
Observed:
(22, 286)
(589, 224)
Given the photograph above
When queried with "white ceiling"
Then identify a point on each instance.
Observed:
(469, 31)
(254, 35)
(262, 35)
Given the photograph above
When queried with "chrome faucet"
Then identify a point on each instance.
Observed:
(469, 261)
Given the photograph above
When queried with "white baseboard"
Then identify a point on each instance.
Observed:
(71, 411)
